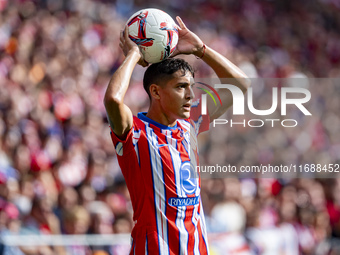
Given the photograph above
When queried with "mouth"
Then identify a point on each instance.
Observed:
(187, 106)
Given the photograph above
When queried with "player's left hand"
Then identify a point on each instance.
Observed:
(127, 45)
(188, 42)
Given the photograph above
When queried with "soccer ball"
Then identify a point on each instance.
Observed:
(155, 32)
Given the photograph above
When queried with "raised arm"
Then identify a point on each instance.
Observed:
(224, 69)
(190, 43)
(119, 114)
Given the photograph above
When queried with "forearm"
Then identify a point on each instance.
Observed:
(120, 80)
(119, 115)
(223, 67)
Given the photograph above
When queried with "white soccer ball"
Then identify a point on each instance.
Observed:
(155, 32)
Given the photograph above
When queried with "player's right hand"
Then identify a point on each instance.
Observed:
(127, 45)
(188, 42)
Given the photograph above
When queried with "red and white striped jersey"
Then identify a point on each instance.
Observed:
(158, 163)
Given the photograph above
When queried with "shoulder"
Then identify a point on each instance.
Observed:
(138, 123)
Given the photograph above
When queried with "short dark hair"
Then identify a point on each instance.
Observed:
(161, 72)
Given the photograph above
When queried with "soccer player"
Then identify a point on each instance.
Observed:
(156, 150)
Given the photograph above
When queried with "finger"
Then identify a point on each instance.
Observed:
(178, 27)
(181, 23)
(126, 32)
(122, 36)
(174, 54)
(143, 63)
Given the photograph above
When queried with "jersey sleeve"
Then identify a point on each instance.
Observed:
(200, 122)
(125, 146)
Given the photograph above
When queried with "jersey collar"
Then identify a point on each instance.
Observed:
(142, 116)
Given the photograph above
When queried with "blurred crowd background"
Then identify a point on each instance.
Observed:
(58, 169)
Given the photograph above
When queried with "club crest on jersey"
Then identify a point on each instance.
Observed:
(188, 178)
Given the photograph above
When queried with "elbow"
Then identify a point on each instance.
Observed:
(110, 101)
(245, 83)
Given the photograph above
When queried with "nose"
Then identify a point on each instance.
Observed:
(191, 93)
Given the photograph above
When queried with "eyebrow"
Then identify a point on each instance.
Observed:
(185, 83)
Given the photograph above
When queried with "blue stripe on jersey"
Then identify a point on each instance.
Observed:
(194, 221)
(153, 181)
(180, 216)
(165, 192)
(186, 149)
(203, 228)
(159, 176)
(165, 202)
(146, 244)
(138, 155)
(132, 243)
(165, 205)
(205, 242)
(175, 176)
(179, 234)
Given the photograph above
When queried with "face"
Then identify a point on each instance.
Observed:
(176, 96)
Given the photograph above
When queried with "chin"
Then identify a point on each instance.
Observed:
(185, 115)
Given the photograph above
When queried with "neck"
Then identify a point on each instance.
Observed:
(155, 113)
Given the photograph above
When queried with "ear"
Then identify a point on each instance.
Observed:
(154, 91)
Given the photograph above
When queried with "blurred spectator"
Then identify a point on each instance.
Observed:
(230, 219)
(76, 221)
